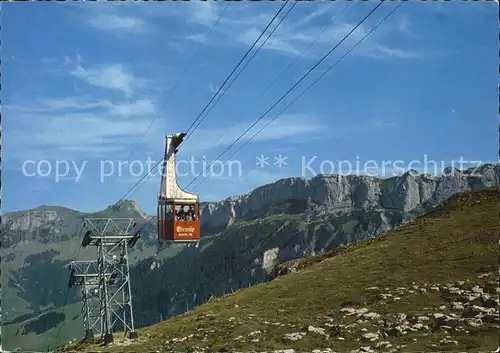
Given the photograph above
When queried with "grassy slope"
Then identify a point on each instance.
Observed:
(49, 338)
(457, 242)
(14, 306)
(18, 306)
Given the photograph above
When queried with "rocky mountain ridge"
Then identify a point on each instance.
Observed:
(340, 194)
(290, 219)
(244, 239)
(428, 286)
(52, 224)
(323, 194)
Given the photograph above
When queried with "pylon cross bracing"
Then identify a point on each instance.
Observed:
(110, 274)
(86, 275)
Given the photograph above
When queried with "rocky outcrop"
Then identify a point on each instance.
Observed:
(338, 194)
(44, 224)
(51, 224)
(283, 221)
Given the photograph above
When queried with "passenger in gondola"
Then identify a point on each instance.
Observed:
(192, 212)
(169, 212)
(179, 214)
(187, 213)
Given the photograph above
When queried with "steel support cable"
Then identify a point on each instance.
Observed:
(233, 71)
(213, 97)
(239, 73)
(373, 10)
(325, 72)
(280, 75)
(315, 81)
(246, 64)
(293, 87)
(183, 73)
(328, 26)
(186, 68)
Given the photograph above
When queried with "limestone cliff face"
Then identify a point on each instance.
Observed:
(47, 224)
(337, 194)
(283, 221)
(30, 221)
(43, 224)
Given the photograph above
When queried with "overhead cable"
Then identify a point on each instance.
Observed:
(198, 117)
(292, 88)
(314, 82)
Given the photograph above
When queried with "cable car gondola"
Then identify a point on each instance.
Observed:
(178, 210)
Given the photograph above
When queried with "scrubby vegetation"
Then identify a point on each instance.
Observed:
(431, 285)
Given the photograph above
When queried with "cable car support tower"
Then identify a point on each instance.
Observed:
(85, 274)
(106, 281)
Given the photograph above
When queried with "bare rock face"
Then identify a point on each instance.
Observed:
(47, 224)
(285, 269)
(337, 194)
(32, 220)
(44, 224)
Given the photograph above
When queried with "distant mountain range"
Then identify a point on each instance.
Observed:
(244, 238)
(430, 285)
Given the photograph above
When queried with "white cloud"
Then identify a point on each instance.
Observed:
(115, 77)
(198, 38)
(383, 52)
(78, 104)
(77, 127)
(242, 24)
(63, 135)
(323, 9)
(215, 88)
(323, 24)
(203, 13)
(293, 128)
(116, 19)
(118, 24)
(136, 108)
(405, 24)
(71, 103)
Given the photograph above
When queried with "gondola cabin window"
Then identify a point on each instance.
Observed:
(165, 220)
(185, 212)
(178, 222)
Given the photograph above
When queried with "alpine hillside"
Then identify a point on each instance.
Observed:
(428, 286)
(244, 239)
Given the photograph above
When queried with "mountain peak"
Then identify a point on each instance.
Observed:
(127, 206)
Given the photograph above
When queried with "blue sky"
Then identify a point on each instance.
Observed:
(81, 82)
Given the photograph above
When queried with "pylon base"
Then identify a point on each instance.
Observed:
(89, 334)
(108, 338)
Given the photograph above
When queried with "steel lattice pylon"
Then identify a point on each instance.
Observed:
(86, 275)
(106, 281)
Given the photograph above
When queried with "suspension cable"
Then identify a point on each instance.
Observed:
(136, 185)
(280, 75)
(186, 68)
(235, 68)
(293, 87)
(246, 64)
(371, 12)
(313, 83)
